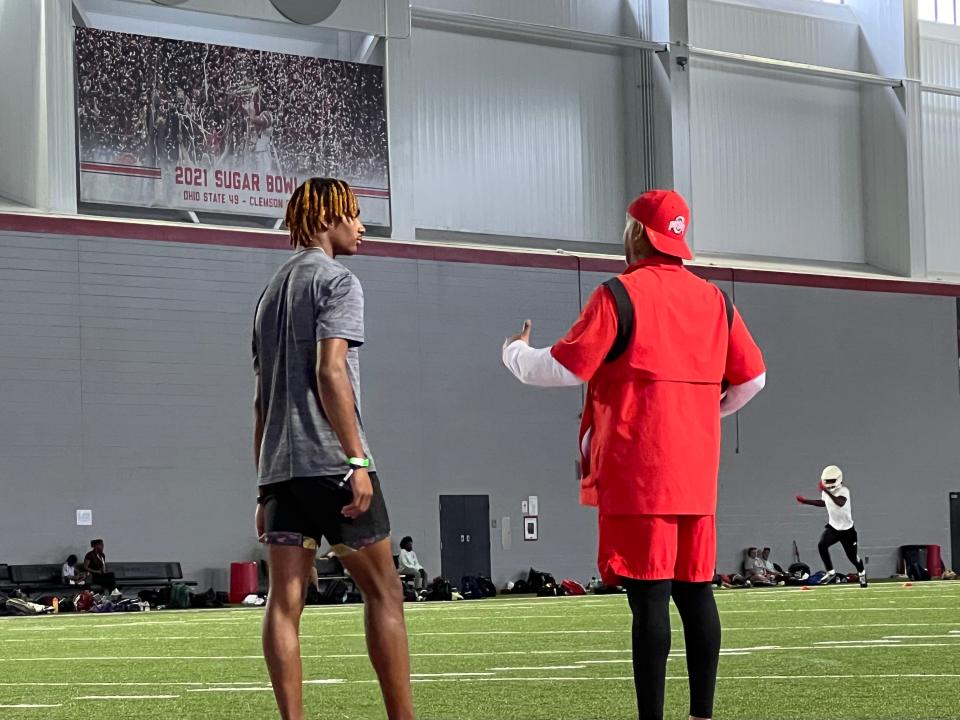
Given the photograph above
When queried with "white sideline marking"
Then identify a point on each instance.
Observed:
(629, 678)
(122, 684)
(451, 674)
(327, 681)
(265, 688)
(223, 687)
(74, 626)
(726, 651)
(139, 638)
(139, 657)
(544, 667)
(952, 634)
(892, 608)
(861, 642)
(496, 618)
(25, 705)
(127, 697)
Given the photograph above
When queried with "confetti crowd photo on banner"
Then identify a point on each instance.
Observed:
(195, 126)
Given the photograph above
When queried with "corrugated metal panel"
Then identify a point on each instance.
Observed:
(517, 139)
(776, 159)
(40, 426)
(601, 16)
(777, 34)
(940, 65)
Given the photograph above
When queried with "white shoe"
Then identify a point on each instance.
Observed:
(863, 578)
(828, 578)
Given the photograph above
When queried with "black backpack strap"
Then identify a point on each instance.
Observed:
(728, 306)
(624, 318)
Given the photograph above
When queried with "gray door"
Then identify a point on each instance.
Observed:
(954, 532)
(464, 536)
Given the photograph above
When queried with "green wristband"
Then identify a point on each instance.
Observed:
(356, 462)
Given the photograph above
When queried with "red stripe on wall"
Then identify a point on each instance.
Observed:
(274, 240)
(129, 170)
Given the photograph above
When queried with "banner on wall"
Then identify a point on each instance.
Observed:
(192, 126)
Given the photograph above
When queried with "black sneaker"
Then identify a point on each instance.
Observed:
(863, 578)
(828, 578)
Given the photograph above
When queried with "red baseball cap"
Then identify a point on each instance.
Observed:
(666, 217)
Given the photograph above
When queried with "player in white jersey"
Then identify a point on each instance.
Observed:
(839, 529)
(263, 148)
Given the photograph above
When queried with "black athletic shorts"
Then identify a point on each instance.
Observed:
(303, 511)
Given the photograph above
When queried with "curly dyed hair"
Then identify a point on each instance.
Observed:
(316, 205)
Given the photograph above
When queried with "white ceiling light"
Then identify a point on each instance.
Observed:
(306, 12)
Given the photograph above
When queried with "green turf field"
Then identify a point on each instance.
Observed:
(839, 652)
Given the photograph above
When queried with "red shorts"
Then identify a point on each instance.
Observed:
(657, 547)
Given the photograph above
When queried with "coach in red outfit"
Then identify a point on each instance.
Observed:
(665, 355)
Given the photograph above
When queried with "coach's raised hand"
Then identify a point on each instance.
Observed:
(523, 335)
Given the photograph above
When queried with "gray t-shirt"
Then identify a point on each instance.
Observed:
(311, 298)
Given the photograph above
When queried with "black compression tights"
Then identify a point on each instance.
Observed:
(650, 604)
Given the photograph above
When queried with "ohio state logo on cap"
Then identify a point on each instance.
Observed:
(665, 216)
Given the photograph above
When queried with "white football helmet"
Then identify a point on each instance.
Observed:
(832, 477)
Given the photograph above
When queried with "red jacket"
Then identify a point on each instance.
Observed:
(654, 413)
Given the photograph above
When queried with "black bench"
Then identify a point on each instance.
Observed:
(38, 578)
(5, 582)
(148, 574)
(48, 579)
(330, 571)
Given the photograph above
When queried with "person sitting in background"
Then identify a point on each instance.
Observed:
(95, 563)
(774, 571)
(69, 573)
(754, 569)
(771, 567)
(410, 567)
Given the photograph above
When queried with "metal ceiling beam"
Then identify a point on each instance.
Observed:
(445, 19)
(795, 68)
(940, 90)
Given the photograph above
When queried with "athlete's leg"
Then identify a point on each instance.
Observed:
(289, 571)
(375, 574)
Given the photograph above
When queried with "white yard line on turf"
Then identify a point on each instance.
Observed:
(127, 697)
(534, 667)
(82, 625)
(114, 639)
(259, 658)
(159, 683)
(683, 678)
(25, 705)
(451, 674)
(858, 642)
(892, 608)
(262, 688)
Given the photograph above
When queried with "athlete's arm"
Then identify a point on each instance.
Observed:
(744, 370)
(336, 396)
(813, 503)
(840, 501)
(739, 395)
(535, 366)
(257, 422)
